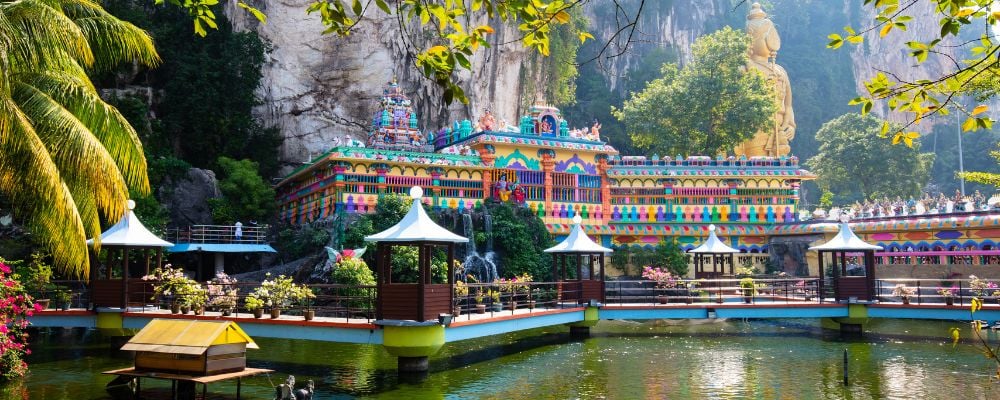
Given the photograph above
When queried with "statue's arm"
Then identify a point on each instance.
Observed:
(788, 125)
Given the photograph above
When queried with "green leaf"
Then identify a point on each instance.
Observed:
(383, 6)
(356, 7)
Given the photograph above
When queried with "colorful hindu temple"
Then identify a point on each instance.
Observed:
(555, 171)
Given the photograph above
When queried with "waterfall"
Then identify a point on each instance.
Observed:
(488, 226)
(482, 267)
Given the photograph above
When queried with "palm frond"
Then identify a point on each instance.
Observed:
(82, 160)
(41, 33)
(112, 40)
(30, 179)
(103, 120)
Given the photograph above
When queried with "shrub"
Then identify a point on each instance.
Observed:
(15, 308)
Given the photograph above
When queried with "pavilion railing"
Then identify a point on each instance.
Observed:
(763, 290)
(938, 291)
(249, 234)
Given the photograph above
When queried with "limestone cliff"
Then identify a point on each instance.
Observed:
(317, 87)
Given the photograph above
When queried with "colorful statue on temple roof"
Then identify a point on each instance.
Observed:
(487, 122)
(394, 122)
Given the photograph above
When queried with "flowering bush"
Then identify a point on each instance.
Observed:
(903, 291)
(948, 292)
(172, 283)
(981, 287)
(222, 292)
(663, 278)
(279, 292)
(15, 308)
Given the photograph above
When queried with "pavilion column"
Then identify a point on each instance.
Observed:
(124, 277)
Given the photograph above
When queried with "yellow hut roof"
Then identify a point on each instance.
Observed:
(187, 337)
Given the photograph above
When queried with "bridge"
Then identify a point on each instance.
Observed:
(341, 319)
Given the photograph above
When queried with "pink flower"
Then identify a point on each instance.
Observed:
(38, 307)
(9, 283)
(4, 268)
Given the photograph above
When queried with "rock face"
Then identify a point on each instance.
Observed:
(186, 198)
(316, 87)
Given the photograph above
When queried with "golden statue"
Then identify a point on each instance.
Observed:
(763, 51)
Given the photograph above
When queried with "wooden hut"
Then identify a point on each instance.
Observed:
(847, 244)
(715, 252)
(128, 237)
(580, 250)
(188, 347)
(422, 300)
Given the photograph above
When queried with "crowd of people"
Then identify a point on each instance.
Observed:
(928, 204)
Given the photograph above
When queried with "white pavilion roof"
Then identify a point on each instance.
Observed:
(130, 232)
(713, 245)
(577, 242)
(846, 240)
(416, 226)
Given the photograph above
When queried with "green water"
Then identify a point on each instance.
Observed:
(621, 360)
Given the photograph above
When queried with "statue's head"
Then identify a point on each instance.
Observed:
(765, 41)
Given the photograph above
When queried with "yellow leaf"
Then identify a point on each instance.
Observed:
(965, 12)
(562, 17)
(955, 335)
(977, 304)
(980, 109)
(969, 124)
(437, 49)
(885, 30)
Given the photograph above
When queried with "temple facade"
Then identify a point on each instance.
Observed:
(557, 172)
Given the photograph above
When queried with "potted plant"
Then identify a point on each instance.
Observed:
(167, 282)
(981, 287)
(192, 296)
(508, 286)
(996, 294)
(692, 291)
(948, 294)
(278, 293)
(63, 298)
(305, 296)
(461, 291)
(255, 305)
(494, 295)
(904, 292)
(748, 289)
(222, 293)
(664, 280)
(478, 296)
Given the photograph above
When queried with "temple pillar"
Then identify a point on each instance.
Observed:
(412, 344)
(548, 166)
(602, 168)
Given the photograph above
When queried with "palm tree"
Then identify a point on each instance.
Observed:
(67, 158)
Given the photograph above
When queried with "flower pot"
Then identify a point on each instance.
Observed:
(258, 313)
(498, 306)
(906, 300)
(227, 312)
(718, 299)
(199, 311)
(455, 312)
(275, 313)
(531, 304)
(309, 314)
(44, 303)
(949, 301)
(480, 308)
(185, 309)
(747, 299)
(65, 306)
(689, 300)
(175, 308)
(512, 306)
(662, 299)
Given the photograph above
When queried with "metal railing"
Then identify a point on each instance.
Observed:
(247, 234)
(934, 291)
(782, 290)
(506, 299)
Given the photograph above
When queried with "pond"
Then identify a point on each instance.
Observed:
(793, 359)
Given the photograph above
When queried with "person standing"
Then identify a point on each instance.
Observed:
(238, 233)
